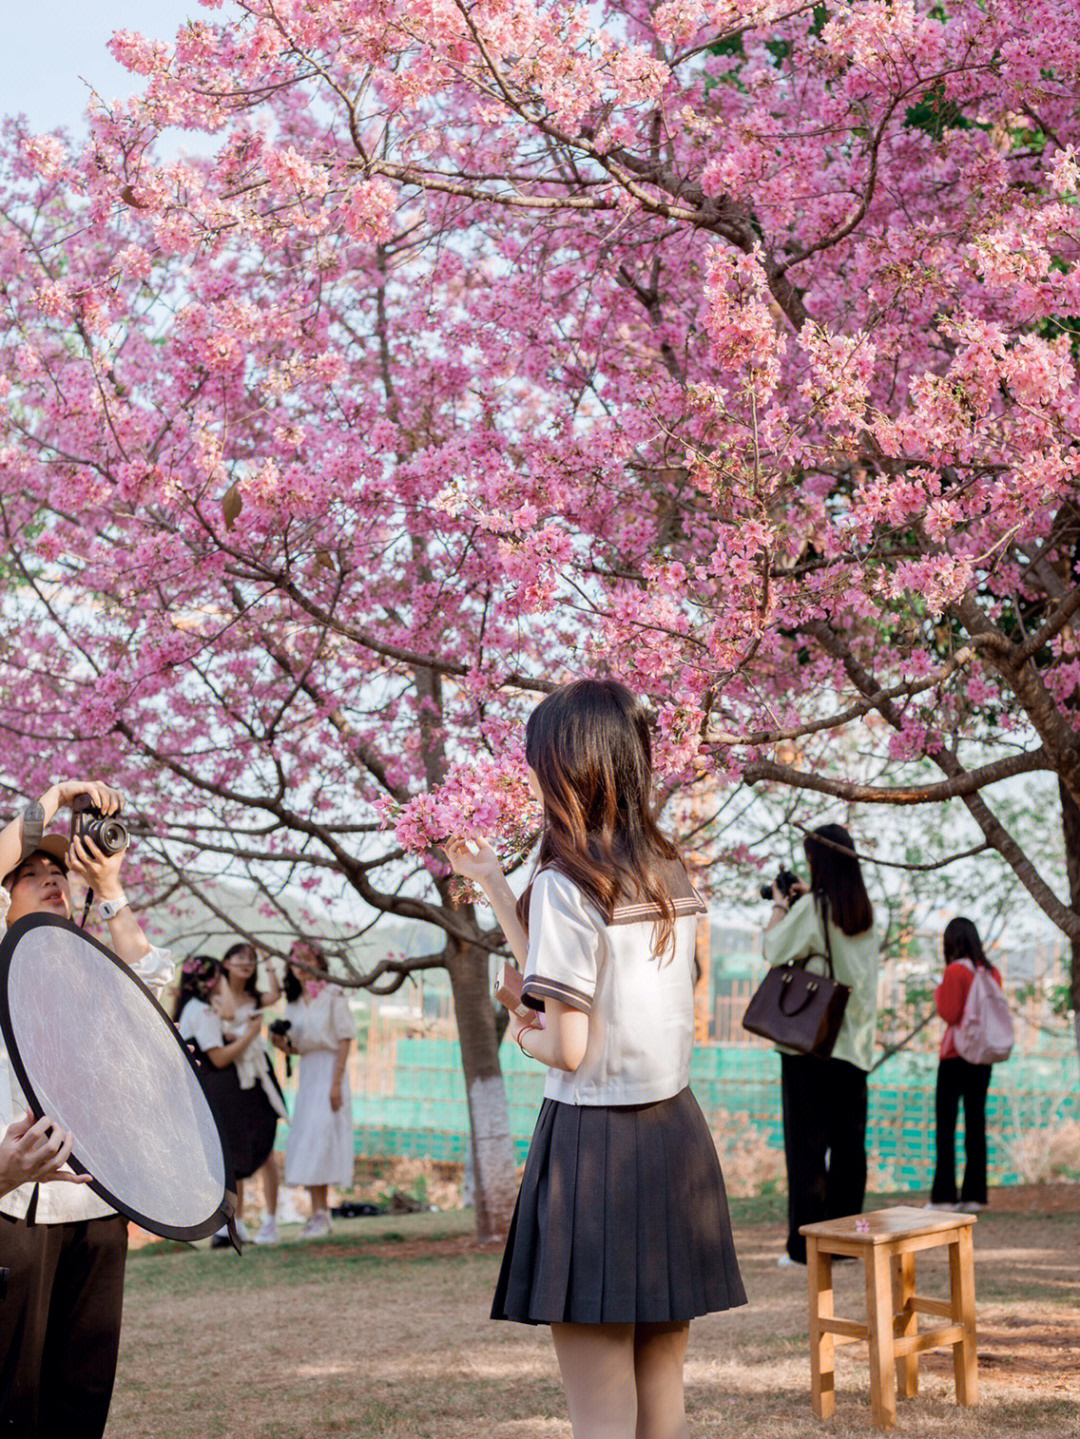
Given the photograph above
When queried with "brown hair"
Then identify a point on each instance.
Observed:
(588, 744)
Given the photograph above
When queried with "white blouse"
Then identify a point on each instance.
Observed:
(640, 1006)
(320, 1023)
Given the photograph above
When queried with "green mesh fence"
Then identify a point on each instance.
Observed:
(738, 1087)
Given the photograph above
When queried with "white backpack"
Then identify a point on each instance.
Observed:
(985, 1033)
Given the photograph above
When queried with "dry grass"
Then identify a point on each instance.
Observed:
(381, 1333)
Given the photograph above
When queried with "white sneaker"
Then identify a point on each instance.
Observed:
(318, 1226)
(786, 1262)
(943, 1208)
(970, 1206)
(241, 1230)
(267, 1231)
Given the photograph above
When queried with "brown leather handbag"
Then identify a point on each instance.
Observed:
(801, 1011)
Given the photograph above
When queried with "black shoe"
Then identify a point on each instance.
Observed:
(221, 1241)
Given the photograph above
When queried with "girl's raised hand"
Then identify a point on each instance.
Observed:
(473, 858)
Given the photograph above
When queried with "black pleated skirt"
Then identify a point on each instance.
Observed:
(246, 1120)
(621, 1218)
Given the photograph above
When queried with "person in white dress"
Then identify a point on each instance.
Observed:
(321, 1030)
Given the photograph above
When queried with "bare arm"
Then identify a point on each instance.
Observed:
(225, 1054)
(476, 860)
(273, 990)
(339, 1073)
(563, 1041)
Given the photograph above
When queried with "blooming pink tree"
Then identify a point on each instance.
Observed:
(726, 345)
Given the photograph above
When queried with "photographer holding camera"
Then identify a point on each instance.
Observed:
(65, 1248)
(824, 1099)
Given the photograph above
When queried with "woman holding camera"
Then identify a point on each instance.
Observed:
(824, 1100)
(319, 1027)
(621, 1233)
(958, 1079)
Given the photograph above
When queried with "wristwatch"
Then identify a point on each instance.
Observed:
(110, 908)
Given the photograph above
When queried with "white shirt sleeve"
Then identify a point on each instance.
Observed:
(342, 1025)
(564, 944)
(201, 1025)
(155, 969)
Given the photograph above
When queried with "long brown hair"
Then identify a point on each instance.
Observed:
(589, 746)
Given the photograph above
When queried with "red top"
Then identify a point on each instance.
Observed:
(951, 996)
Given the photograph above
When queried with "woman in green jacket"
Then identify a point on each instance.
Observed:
(824, 1100)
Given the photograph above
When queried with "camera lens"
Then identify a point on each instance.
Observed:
(111, 836)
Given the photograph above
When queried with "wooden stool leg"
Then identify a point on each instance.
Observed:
(879, 1315)
(907, 1323)
(822, 1346)
(962, 1294)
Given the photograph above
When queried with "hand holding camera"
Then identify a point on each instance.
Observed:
(278, 1030)
(785, 888)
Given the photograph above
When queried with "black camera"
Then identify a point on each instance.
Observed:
(281, 1028)
(104, 830)
(784, 882)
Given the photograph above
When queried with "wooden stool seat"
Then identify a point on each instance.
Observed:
(888, 1241)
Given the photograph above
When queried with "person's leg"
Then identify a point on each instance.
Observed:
(804, 1145)
(596, 1362)
(659, 1359)
(239, 1201)
(845, 1109)
(317, 1194)
(29, 1253)
(270, 1185)
(83, 1340)
(946, 1108)
(975, 1080)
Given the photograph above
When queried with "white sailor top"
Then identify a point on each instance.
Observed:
(640, 1005)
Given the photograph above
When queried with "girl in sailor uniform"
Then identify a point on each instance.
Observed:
(621, 1235)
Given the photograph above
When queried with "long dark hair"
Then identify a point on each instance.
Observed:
(250, 985)
(835, 878)
(198, 974)
(589, 746)
(293, 987)
(961, 941)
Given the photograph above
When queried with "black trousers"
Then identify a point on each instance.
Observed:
(956, 1080)
(824, 1141)
(60, 1326)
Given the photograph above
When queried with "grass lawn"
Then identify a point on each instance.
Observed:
(381, 1332)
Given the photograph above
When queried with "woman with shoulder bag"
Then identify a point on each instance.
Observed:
(824, 1098)
(621, 1233)
(958, 1079)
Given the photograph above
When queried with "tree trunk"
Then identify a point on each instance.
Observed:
(489, 1112)
(1070, 826)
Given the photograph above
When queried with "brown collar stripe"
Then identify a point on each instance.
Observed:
(537, 987)
(637, 913)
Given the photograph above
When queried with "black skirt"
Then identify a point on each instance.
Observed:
(621, 1218)
(246, 1120)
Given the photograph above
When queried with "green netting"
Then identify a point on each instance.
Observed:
(736, 1085)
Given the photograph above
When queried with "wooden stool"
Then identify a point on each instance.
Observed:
(888, 1241)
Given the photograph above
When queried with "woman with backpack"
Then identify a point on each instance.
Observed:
(959, 1078)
